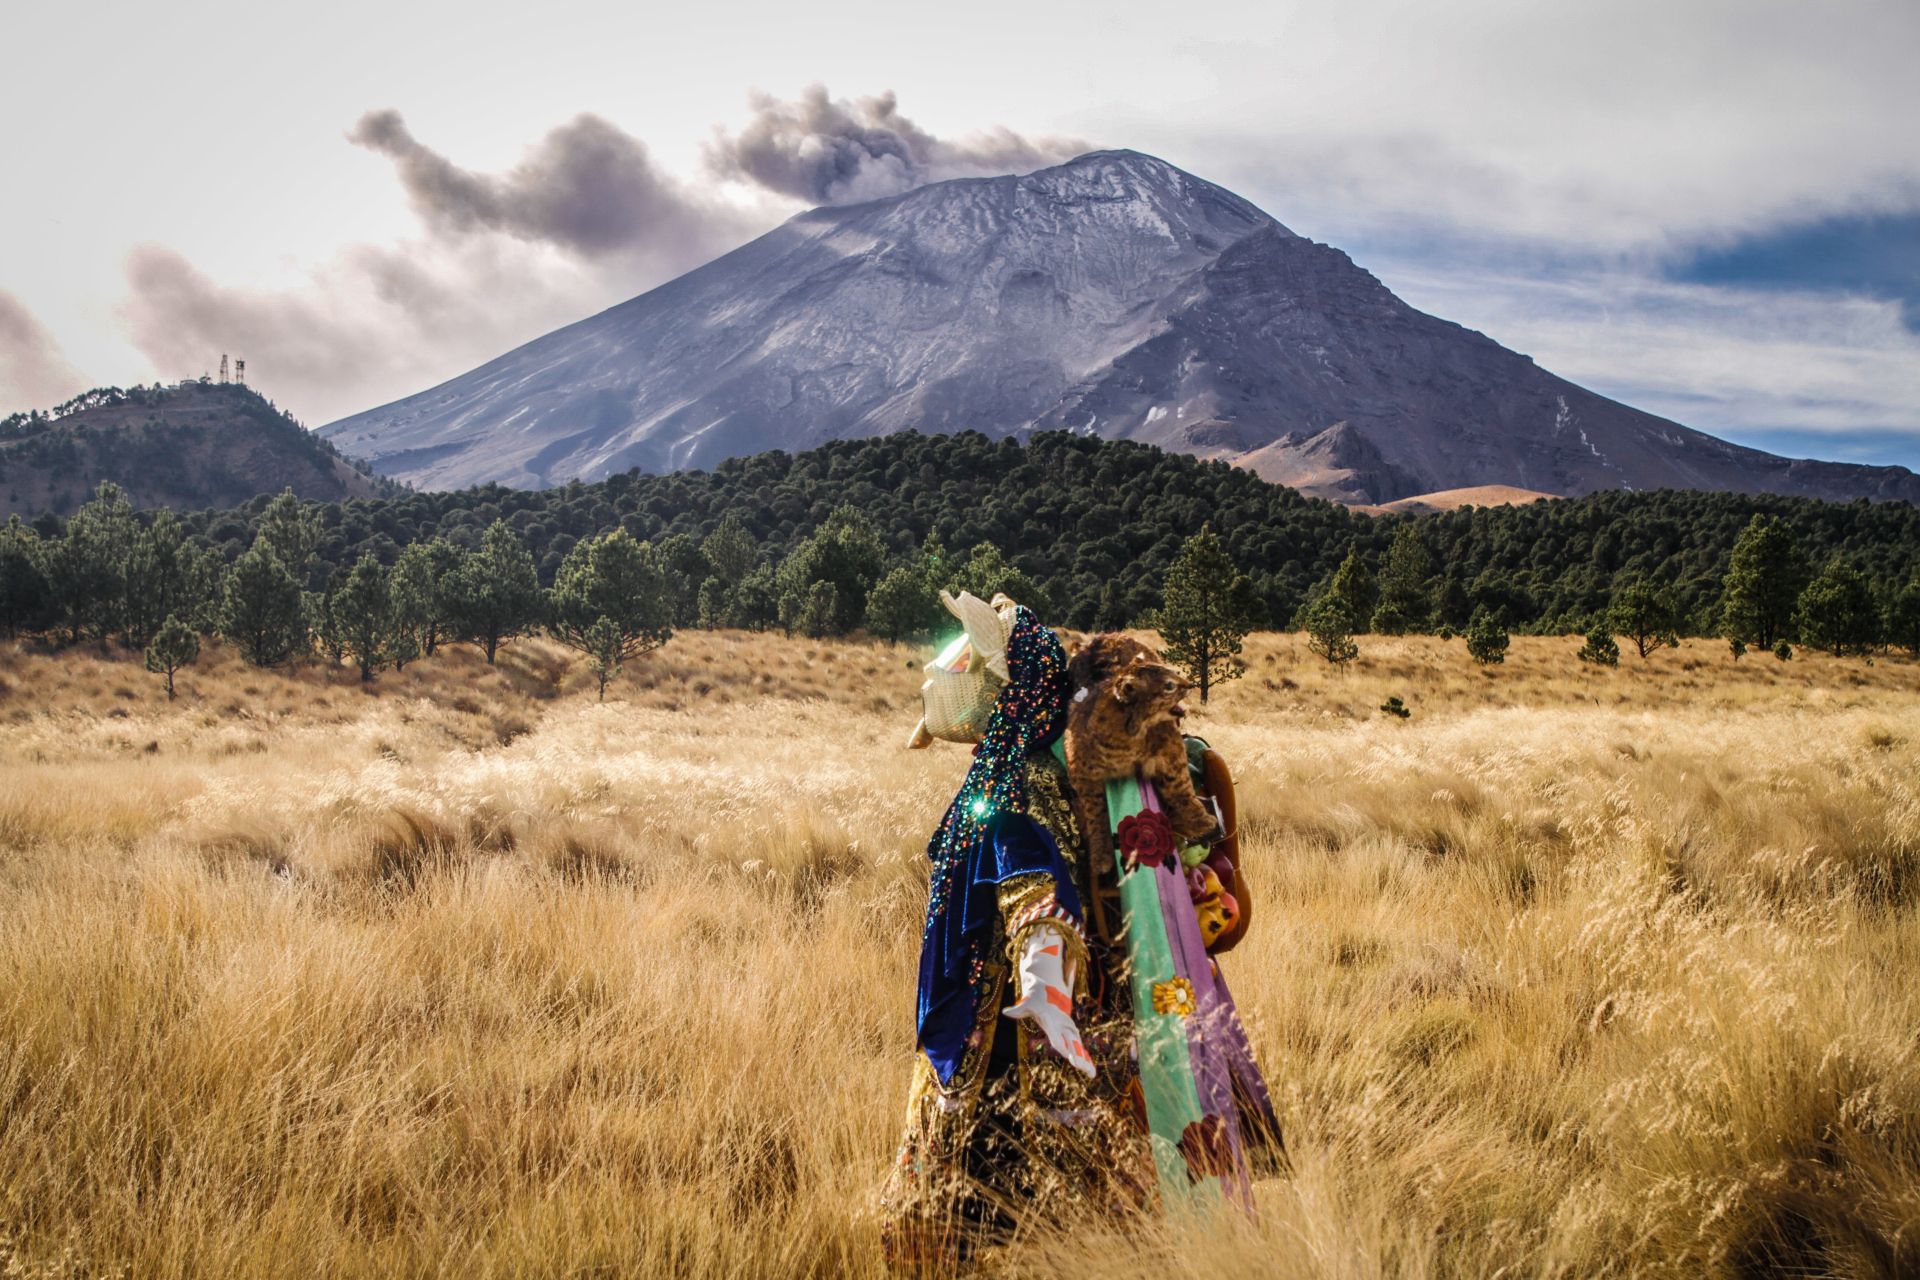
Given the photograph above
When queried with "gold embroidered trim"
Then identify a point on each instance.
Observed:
(1017, 893)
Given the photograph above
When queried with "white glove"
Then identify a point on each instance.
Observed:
(1046, 996)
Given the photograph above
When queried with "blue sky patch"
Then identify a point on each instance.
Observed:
(1877, 255)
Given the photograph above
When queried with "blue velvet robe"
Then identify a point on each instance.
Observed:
(1010, 844)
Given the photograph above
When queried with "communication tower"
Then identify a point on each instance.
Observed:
(240, 371)
(223, 366)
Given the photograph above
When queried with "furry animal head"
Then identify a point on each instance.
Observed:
(1103, 656)
(1149, 690)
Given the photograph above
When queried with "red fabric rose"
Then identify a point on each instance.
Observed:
(1146, 839)
(1207, 1149)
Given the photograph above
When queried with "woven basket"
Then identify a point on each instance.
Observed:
(958, 703)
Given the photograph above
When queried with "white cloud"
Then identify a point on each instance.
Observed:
(1481, 135)
(1709, 356)
(1635, 126)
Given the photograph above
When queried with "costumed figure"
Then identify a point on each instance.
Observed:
(1047, 1088)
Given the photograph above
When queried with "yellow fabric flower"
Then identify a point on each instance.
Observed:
(1175, 996)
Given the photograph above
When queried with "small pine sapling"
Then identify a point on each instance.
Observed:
(1330, 631)
(174, 646)
(1600, 649)
(604, 646)
(1487, 638)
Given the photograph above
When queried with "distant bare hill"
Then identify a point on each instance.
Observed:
(192, 445)
(1479, 495)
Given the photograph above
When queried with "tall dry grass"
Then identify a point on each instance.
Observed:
(1575, 973)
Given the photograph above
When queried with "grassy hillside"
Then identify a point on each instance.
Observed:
(1578, 972)
(191, 445)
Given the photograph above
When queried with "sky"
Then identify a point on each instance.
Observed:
(1709, 210)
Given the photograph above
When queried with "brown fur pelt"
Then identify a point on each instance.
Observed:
(1128, 719)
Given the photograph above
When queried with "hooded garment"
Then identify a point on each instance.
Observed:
(987, 837)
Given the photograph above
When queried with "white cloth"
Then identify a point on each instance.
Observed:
(1046, 996)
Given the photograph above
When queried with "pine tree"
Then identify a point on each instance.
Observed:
(325, 627)
(85, 569)
(604, 646)
(1762, 588)
(844, 556)
(730, 550)
(292, 530)
(165, 576)
(493, 593)
(731, 555)
(1645, 614)
(615, 580)
(264, 614)
(1329, 630)
(1110, 609)
(174, 645)
(1487, 637)
(1837, 611)
(715, 603)
(1388, 620)
(1600, 648)
(1903, 617)
(414, 592)
(986, 573)
(903, 605)
(1206, 612)
(818, 613)
(683, 567)
(755, 602)
(445, 557)
(1405, 584)
(1454, 608)
(25, 600)
(1353, 586)
(363, 610)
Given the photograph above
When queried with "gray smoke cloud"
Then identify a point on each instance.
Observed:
(588, 187)
(585, 220)
(826, 151)
(375, 323)
(33, 372)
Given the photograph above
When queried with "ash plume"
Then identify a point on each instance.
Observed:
(33, 372)
(584, 220)
(374, 323)
(823, 150)
(588, 187)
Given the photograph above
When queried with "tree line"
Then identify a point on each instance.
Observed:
(863, 534)
(1096, 524)
(1770, 595)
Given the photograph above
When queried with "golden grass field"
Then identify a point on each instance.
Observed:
(1575, 973)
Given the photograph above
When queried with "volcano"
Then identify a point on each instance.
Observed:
(1112, 295)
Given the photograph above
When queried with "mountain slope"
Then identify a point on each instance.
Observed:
(1113, 295)
(192, 445)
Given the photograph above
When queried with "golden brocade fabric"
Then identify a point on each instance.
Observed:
(1018, 1139)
